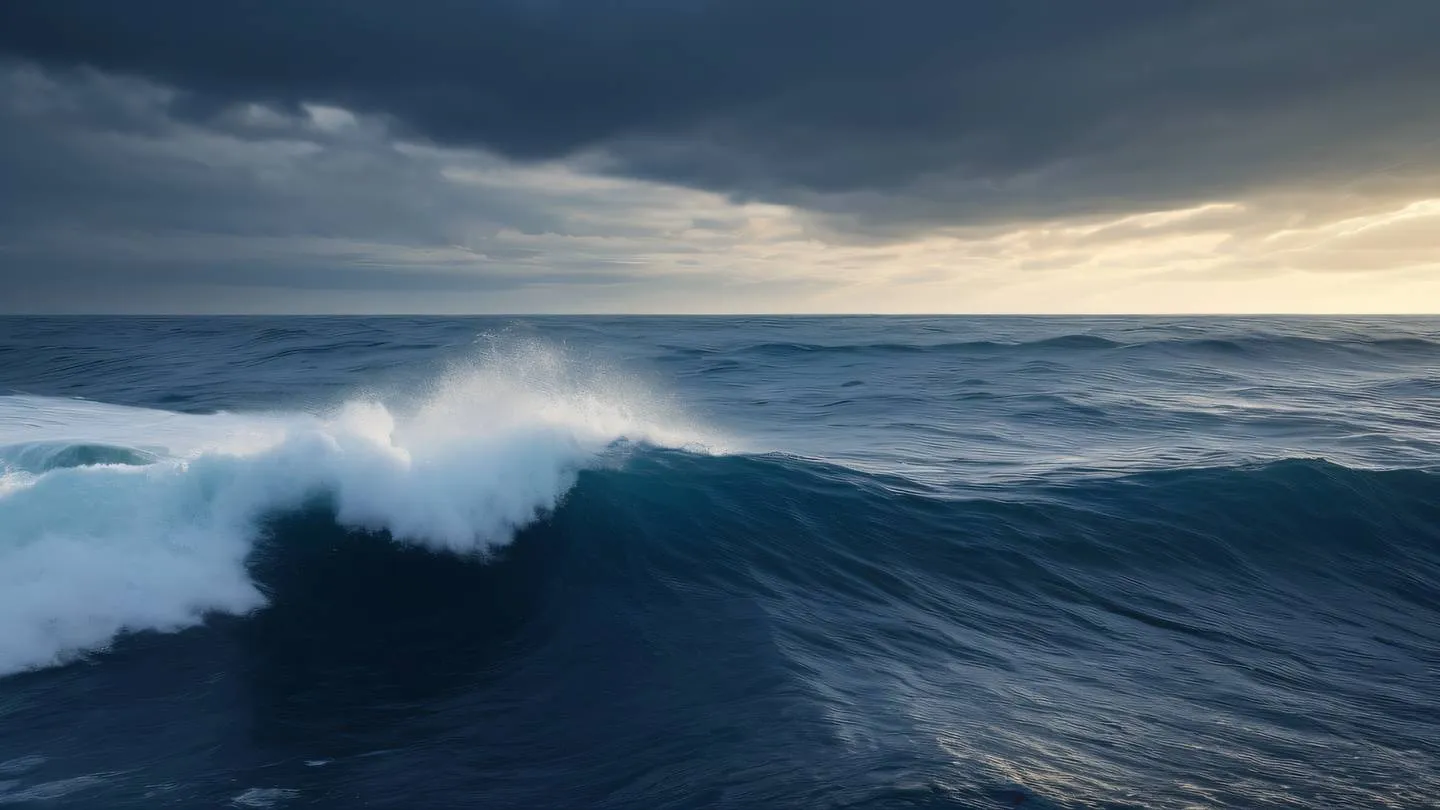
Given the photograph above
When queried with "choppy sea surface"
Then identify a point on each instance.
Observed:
(719, 563)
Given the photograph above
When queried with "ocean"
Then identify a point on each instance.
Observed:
(648, 563)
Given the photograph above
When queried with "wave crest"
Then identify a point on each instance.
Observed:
(95, 544)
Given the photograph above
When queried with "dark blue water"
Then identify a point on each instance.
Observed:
(729, 563)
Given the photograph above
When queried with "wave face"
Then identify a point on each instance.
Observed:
(99, 538)
(958, 563)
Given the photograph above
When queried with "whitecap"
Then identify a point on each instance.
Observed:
(92, 551)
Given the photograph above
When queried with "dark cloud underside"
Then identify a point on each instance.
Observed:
(905, 112)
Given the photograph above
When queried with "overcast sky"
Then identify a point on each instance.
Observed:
(719, 156)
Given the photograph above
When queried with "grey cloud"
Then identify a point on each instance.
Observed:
(883, 116)
(106, 195)
(155, 174)
(111, 198)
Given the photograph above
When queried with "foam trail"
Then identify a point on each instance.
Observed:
(91, 550)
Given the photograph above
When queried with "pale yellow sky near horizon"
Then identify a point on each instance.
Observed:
(1380, 256)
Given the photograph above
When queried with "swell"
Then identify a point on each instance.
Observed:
(826, 527)
(1213, 592)
(783, 349)
(1153, 548)
(1252, 344)
(669, 598)
(836, 599)
(1278, 518)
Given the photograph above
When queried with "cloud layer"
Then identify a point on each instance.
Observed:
(773, 155)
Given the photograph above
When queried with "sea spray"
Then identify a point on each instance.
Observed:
(144, 540)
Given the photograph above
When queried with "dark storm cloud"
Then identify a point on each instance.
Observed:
(902, 112)
(106, 197)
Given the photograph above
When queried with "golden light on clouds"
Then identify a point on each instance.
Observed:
(1215, 257)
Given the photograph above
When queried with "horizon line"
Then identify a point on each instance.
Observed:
(601, 314)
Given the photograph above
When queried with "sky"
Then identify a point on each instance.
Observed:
(719, 156)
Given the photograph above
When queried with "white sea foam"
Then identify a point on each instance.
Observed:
(11, 793)
(89, 552)
(21, 765)
(263, 797)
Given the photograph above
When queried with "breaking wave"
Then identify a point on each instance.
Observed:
(124, 519)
